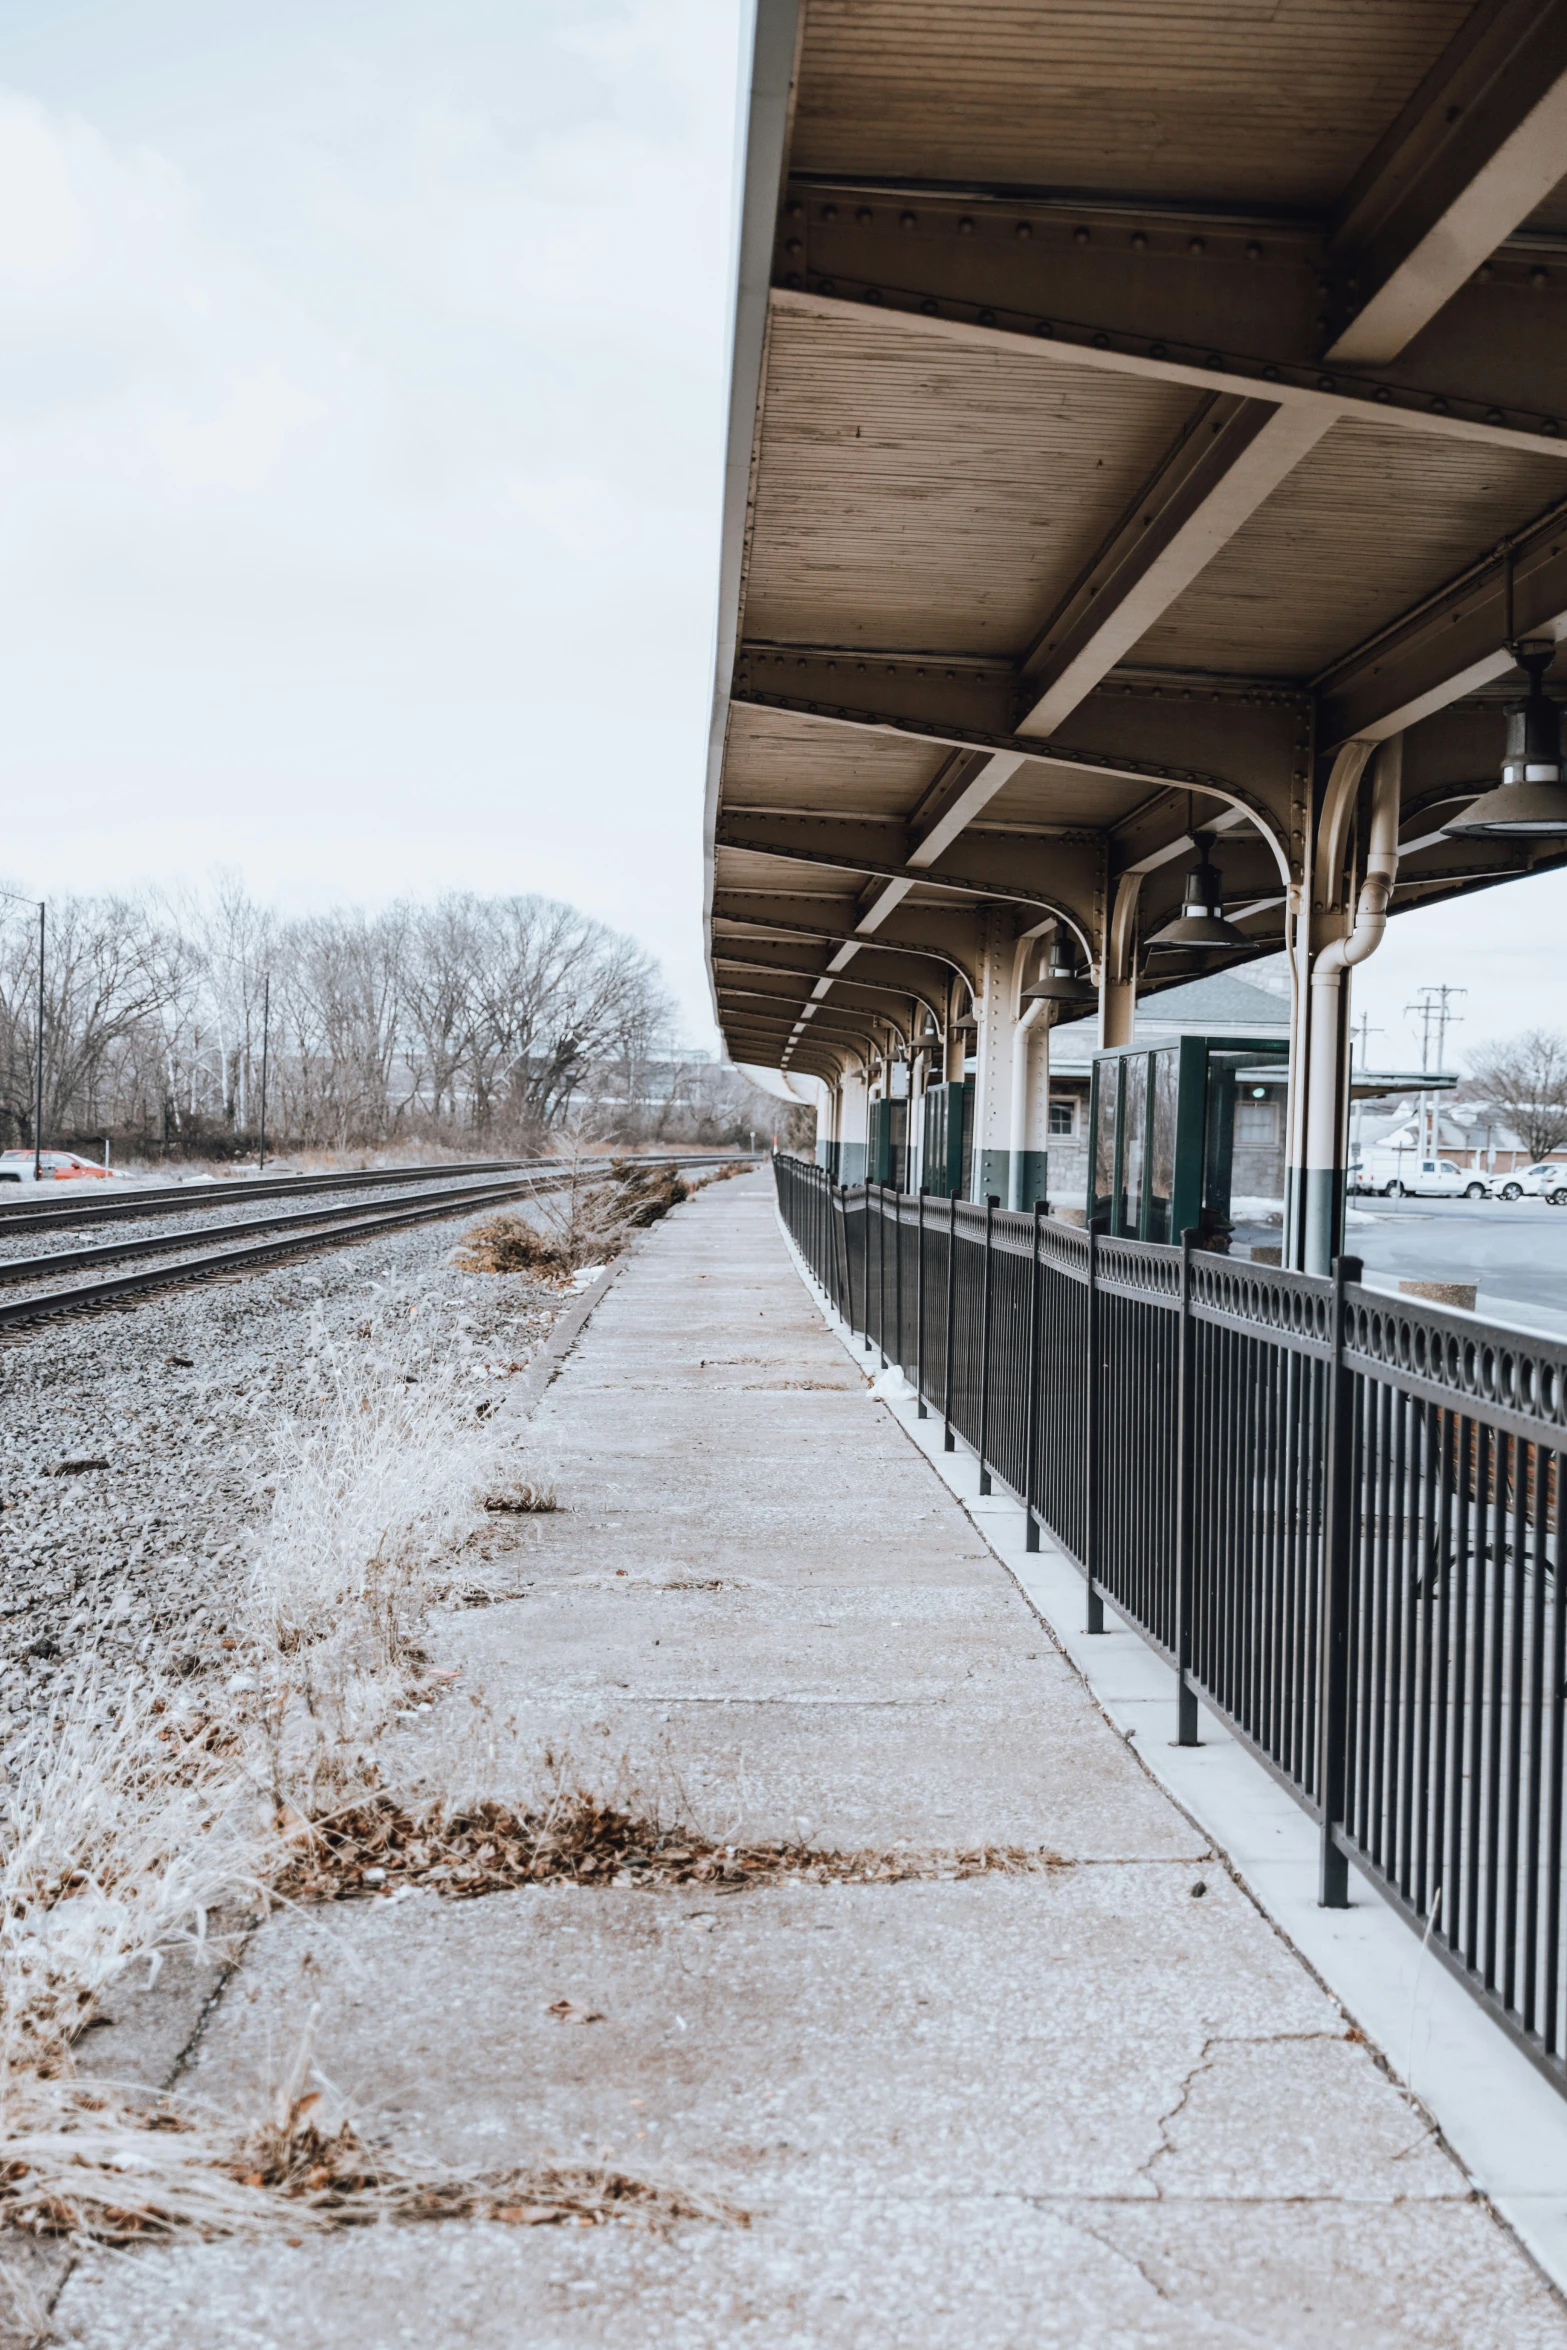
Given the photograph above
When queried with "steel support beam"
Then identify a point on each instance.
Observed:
(1489, 380)
(1232, 455)
(1454, 642)
(1216, 296)
(1080, 743)
(1481, 143)
(945, 934)
(1062, 875)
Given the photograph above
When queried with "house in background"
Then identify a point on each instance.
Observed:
(1468, 1133)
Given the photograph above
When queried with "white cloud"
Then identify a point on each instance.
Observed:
(40, 222)
(236, 446)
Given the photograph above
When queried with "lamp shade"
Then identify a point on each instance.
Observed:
(1200, 922)
(1531, 799)
(1060, 982)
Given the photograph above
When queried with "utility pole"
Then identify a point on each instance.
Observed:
(266, 1036)
(38, 1038)
(1432, 1008)
(38, 1061)
(1363, 1030)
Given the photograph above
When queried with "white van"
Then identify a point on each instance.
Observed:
(1401, 1175)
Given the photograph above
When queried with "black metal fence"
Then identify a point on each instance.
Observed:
(1338, 1514)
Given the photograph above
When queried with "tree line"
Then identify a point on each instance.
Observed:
(1524, 1080)
(466, 1020)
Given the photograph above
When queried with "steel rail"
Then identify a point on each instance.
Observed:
(352, 1224)
(331, 1228)
(20, 1215)
(15, 1270)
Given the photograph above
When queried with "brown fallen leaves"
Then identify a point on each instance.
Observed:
(578, 1839)
(344, 2185)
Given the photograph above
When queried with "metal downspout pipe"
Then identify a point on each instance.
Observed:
(1017, 1108)
(1328, 1032)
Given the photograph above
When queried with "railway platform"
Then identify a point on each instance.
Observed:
(1084, 2096)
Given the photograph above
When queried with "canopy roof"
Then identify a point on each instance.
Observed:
(1130, 405)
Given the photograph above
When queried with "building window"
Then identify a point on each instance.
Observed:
(1061, 1117)
(1256, 1124)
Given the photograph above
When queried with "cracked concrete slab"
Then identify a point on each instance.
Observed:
(1088, 2106)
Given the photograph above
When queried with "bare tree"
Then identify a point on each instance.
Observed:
(1524, 1079)
(111, 971)
(471, 1019)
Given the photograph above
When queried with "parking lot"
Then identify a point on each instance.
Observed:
(1514, 1251)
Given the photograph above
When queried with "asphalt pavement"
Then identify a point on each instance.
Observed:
(1514, 1251)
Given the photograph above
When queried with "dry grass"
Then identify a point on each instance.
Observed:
(510, 1243)
(379, 1843)
(524, 1497)
(126, 1817)
(587, 1225)
(81, 2163)
(377, 1493)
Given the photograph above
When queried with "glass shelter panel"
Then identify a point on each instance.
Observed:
(1161, 1143)
(1106, 1098)
(1134, 1135)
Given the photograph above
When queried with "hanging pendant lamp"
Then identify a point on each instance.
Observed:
(1531, 799)
(1060, 982)
(1200, 922)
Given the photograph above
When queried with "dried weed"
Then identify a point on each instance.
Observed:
(126, 1816)
(586, 1224)
(380, 1843)
(523, 1498)
(510, 1243)
(82, 2163)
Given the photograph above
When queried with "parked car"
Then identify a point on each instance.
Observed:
(1400, 1174)
(1547, 1181)
(54, 1167)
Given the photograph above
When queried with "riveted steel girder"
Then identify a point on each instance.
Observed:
(1131, 732)
(1452, 642)
(1240, 306)
(1063, 874)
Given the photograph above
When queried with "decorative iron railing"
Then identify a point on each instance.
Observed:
(1338, 1514)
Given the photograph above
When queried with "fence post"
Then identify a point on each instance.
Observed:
(919, 1311)
(992, 1202)
(865, 1263)
(1030, 1522)
(1185, 1473)
(948, 1441)
(848, 1256)
(881, 1273)
(1333, 1604)
(1095, 1617)
(897, 1279)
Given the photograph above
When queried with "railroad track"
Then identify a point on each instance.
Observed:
(262, 1240)
(19, 1211)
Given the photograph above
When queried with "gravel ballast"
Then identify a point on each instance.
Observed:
(135, 1442)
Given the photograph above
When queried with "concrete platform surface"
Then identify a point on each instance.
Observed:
(1091, 2105)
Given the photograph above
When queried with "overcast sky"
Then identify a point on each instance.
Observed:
(361, 391)
(361, 388)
